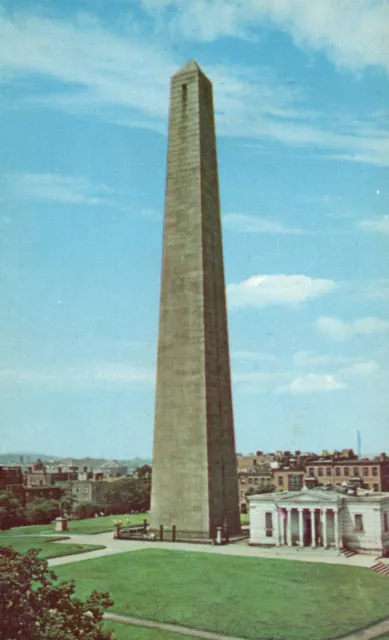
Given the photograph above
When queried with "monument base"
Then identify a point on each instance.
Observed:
(170, 535)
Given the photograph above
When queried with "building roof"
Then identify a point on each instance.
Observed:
(314, 496)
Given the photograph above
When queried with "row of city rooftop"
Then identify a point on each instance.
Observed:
(257, 473)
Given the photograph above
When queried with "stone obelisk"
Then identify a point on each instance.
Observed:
(194, 482)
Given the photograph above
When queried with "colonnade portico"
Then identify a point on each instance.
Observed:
(313, 525)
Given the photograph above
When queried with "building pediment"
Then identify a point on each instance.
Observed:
(309, 496)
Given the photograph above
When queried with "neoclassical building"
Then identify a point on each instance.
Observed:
(321, 517)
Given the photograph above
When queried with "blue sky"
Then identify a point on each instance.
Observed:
(301, 95)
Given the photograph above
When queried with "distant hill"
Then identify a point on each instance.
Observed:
(91, 463)
(10, 458)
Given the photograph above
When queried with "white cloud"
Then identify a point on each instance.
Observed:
(53, 187)
(367, 368)
(266, 290)
(256, 224)
(313, 383)
(124, 79)
(353, 34)
(337, 329)
(253, 382)
(380, 225)
(98, 68)
(105, 374)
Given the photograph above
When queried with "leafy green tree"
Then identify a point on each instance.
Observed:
(42, 511)
(87, 510)
(11, 511)
(34, 606)
(130, 493)
(255, 490)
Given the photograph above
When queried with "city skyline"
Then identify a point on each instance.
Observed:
(303, 151)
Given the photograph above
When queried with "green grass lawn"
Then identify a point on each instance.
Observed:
(131, 632)
(244, 518)
(249, 597)
(48, 548)
(88, 526)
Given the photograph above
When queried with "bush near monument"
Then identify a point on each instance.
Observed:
(34, 605)
(237, 596)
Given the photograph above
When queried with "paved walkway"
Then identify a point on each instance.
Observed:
(330, 556)
(185, 631)
(367, 634)
(374, 631)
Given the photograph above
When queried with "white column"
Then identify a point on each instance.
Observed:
(313, 528)
(325, 540)
(277, 519)
(301, 528)
(336, 528)
(289, 529)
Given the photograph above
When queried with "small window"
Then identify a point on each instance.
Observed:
(346, 471)
(255, 480)
(375, 471)
(320, 471)
(184, 94)
(280, 480)
(337, 471)
(269, 524)
(311, 472)
(356, 471)
(358, 522)
(250, 481)
(254, 461)
(375, 487)
(328, 471)
(365, 471)
(243, 481)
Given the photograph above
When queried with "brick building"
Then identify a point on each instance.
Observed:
(374, 473)
(11, 480)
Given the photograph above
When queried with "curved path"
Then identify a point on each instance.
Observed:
(330, 556)
(370, 633)
(164, 626)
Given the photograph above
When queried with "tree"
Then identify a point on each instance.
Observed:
(255, 490)
(34, 605)
(42, 511)
(11, 511)
(130, 493)
(87, 510)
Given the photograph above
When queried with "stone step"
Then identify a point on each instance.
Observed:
(381, 568)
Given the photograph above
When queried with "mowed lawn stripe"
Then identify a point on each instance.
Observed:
(250, 597)
(48, 548)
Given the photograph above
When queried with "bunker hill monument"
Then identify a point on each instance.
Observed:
(194, 484)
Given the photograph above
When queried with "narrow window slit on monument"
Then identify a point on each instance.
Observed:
(184, 94)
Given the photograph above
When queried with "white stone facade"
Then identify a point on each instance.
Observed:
(318, 517)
